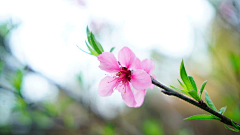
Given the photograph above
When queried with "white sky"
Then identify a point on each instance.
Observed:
(51, 29)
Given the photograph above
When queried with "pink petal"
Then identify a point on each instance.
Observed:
(108, 62)
(137, 64)
(140, 79)
(148, 65)
(139, 97)
(126, 57)
(106, 86)
(128, 96)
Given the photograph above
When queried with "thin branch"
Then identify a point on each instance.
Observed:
(200, 104)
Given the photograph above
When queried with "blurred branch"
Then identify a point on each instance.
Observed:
(200, 104)
(8, 89)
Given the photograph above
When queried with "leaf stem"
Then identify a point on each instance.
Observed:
(200, 104)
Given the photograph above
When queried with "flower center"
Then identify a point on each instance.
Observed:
(124, 75)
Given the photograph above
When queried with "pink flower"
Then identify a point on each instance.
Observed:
(125, 74)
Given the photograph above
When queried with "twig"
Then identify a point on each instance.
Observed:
(201, 104)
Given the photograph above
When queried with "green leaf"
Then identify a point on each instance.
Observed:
(194, 95)
(209, 101)
(202, 88)
(193, 83)
(88, 32)
(234, 125)
(98, 44)
(184, 87)
(184, 77)
(92, 52)
(233, 129)
(94, 43)
(182, 91)
(111, 50)
(202, 117)
(222, 110)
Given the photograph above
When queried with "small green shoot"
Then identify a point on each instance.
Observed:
(202, 88)
(222, 110)
(209, 101)
(111, 50)
(202, 117)
(184, 77)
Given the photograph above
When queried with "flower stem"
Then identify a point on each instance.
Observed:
(200, 104)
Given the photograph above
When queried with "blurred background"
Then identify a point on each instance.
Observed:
(49, 86)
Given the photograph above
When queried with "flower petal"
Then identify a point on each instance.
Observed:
(148, 65)
(137, 64)
(108, 62)
(106, 86)
(128, 96)
(126, 57)
(140, 79)
(139, 97)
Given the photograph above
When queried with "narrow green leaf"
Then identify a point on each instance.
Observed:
(194, 95)
(234, 125)
(182, 91)
(184, 77)
(193, 83)
(89, 38)
(93, 42)
(222, 110)
(202, 117)
(184, 87)
(88, 32)
(202, 88)
(235, 130)
(111, 50)
(93, 52)
(209, 101)
(98, 44)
